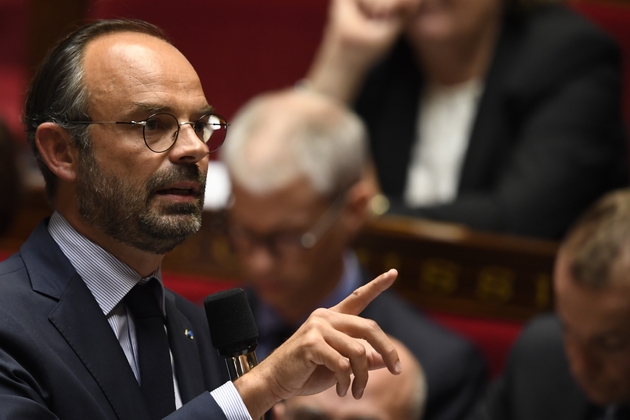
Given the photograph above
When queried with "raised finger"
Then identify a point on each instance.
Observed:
(361, 297)
(383, 352)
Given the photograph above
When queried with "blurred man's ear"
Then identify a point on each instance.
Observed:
(358, 200)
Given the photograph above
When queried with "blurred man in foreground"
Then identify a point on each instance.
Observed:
(298, 164)
(122, 130)
(576, 365)
(386, 397)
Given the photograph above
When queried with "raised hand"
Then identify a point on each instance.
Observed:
(358, 33)
(326, 349)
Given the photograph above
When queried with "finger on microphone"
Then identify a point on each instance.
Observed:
(361, 297)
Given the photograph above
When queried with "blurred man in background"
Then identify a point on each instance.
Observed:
(301, 187)
(575, 365)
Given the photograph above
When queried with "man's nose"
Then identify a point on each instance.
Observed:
(188, 148)
(259, 258)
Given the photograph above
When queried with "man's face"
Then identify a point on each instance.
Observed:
(596, 326)
(151, 201)
(267, 228)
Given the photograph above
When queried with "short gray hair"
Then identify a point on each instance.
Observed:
(278, 137)
(600, 240)
(57, 93)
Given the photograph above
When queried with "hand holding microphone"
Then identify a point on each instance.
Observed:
(323, 352)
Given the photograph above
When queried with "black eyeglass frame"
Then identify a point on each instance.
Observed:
(223, 122)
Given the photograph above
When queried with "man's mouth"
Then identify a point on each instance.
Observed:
(176, 191)
(187, 189)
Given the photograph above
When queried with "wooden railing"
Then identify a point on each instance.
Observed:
(443, 267)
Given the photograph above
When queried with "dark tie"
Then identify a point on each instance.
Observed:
(156, 374)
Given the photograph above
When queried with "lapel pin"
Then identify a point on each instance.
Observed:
(188, 333)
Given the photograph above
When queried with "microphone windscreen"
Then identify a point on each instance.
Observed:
(232, 326)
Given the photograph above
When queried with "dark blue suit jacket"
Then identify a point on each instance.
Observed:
(59, 357)
(537, 383)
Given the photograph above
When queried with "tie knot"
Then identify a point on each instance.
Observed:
(142, 301)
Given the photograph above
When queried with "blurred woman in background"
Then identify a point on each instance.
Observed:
(501, 115)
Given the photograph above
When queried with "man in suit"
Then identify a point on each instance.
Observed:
(301, 187)
(121, 128)
(386, 397)
(575, 365)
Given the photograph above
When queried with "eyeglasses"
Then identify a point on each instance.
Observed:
(160, 130)
(288, 244)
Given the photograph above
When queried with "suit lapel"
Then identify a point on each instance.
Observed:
(80, 321)
(489, 133)
(570, 403)
(391, 116)
(188, 368)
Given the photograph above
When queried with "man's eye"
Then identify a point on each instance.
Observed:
(153, 124)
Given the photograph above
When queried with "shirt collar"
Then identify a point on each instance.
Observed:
(107, 278)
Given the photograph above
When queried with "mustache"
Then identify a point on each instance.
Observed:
(174, 174)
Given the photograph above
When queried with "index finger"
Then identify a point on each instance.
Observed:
(361, 297)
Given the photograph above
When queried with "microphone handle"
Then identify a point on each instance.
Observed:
(238, 366)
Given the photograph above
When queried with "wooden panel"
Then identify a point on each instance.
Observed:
(453, 269)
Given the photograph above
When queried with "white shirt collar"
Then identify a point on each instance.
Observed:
(108, 278)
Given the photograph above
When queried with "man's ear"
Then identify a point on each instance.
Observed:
(57, 151)
(357, 205)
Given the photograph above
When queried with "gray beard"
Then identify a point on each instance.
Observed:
(123, 209)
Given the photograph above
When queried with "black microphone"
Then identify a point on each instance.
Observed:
(233, 330)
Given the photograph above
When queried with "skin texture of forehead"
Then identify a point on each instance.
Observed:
(114, 63)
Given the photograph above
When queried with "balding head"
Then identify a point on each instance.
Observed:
(57, 92)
